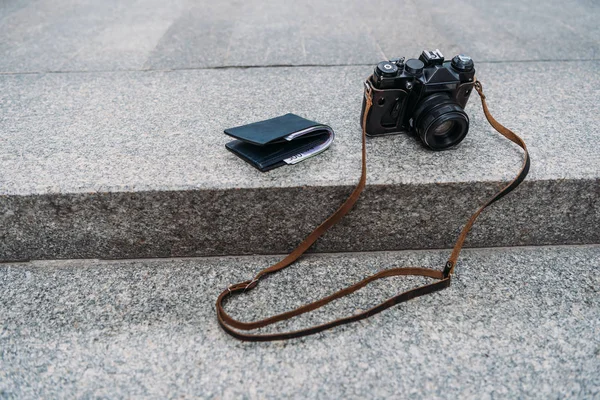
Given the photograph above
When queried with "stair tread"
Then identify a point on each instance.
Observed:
(518, 321)
(163, 131)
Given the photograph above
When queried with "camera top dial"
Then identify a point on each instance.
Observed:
(386, 68)
(462, 63)
(414, 66)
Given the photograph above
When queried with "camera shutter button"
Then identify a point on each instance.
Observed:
(414, 66)
(387, 68)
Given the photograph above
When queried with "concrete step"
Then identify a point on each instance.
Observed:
(133, 164)
(50, 35)
(516, 323)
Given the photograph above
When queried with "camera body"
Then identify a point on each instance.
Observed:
(425, 96)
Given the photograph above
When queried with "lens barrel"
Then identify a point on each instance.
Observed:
(440, 121)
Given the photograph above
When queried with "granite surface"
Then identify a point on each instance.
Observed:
(111, 146)
(516, 323)
(261, 221)
(112, 112)
(75, 35)
(132, 164)
(144, 131)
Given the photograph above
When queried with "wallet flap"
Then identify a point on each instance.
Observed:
(271, 130)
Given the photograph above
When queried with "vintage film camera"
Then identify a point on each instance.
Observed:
(426, 97)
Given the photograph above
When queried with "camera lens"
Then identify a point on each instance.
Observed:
(440, 122)
(443, 128)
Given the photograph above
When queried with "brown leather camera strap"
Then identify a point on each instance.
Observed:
(442, 278)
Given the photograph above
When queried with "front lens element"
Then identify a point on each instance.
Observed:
(446, 131)
(443, 128)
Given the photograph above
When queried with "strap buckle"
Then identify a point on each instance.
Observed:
(252, 284)
(479, 87)
(368, 89)
(448, 269)
(246, 285)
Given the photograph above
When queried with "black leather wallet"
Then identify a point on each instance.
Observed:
(287, 139)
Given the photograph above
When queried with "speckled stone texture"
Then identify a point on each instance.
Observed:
(52, 35)
(132, 164)
(516, 323)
